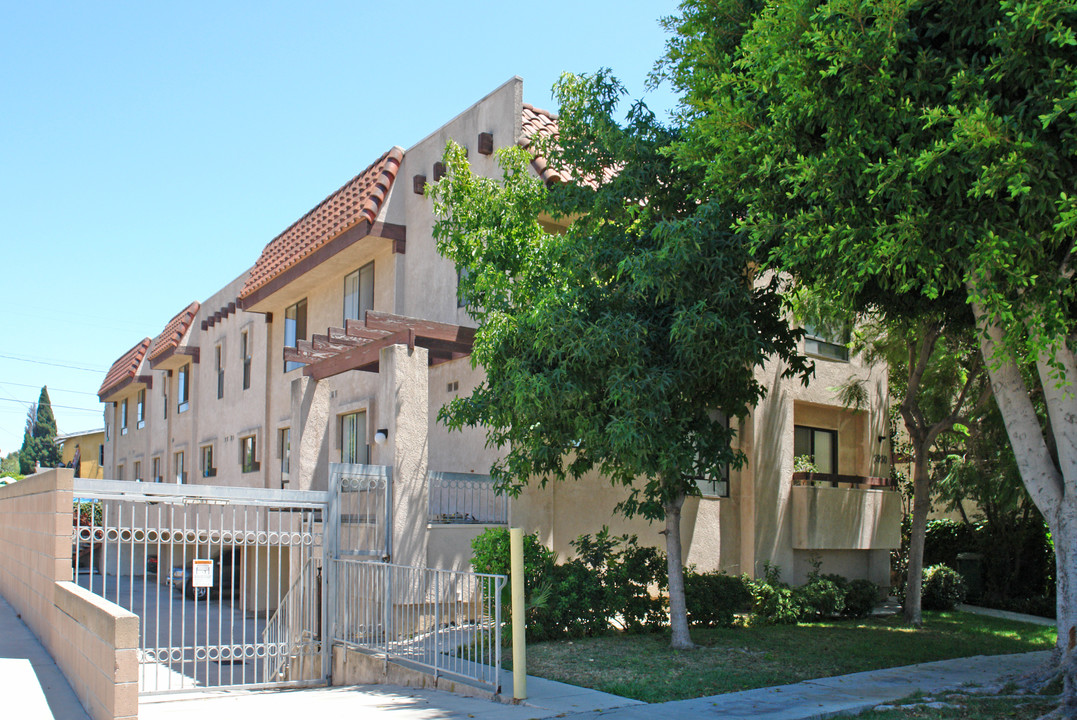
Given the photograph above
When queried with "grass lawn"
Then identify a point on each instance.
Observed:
(645, 668)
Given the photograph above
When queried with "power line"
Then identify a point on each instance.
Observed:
(53, 364)
(65, 407)
(51, 389)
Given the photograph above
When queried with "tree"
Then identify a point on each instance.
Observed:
(938, 381)
(39, 442)
(10, 465)
(622, 341)
(913, 149)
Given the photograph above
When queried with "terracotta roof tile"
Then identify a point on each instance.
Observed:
(539, 124)
(124, 368)
(360, 199)
(170, 337)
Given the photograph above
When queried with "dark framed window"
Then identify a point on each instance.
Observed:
(248, 454)
(284, 452)
(353, 445)
(183, 388)
(207, 462)
(138, 471)
(156, 462)
(140, 409)
(181, 473)
(830, 344)
(359, 293)
(220, 371)
(123, 417)
(245, 353)
(295, 329)
(819, 445)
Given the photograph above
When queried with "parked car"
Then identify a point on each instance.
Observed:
(227, 577)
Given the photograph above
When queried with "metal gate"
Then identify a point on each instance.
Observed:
(362, 512)
(227, 582)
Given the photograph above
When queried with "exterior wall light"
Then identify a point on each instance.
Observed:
(381, 436)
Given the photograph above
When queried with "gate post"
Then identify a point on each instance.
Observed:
(330, 577)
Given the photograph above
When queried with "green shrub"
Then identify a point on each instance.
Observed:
(861, 597)
(714, 598)
(773, 602)
(820, 597)
(943, 588)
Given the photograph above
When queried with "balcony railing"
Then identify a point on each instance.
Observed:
(862, 482)
(465, 499)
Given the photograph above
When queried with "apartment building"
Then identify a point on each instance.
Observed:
(346, 336)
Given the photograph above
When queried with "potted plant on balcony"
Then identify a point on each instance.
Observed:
(804, 470)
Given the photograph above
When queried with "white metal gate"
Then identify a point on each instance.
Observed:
(227, 582)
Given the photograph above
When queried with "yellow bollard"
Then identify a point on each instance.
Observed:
(519, 621)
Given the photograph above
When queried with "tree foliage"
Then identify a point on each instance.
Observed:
(39, 442)
(621, 339)
(911, 152)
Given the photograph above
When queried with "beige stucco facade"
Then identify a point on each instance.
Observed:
(297, 422)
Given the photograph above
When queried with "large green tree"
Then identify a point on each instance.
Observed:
(620, 341)
(923, 148)
(39, 443)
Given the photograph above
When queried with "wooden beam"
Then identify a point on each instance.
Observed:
(427, 329)
(356, 329)
(324, 342)
(364, 358)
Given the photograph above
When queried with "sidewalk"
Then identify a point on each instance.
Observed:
(807, 700)
(31, 685)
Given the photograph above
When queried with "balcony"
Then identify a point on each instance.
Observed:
(465, 499)
(844, 512)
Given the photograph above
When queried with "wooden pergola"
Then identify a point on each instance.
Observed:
(358, 345)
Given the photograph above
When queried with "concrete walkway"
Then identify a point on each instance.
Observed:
(31, 685)
(808, 700)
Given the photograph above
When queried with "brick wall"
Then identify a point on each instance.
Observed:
(93, 641)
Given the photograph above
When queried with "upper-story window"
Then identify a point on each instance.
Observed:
(123, 417)
(295, 329)
(827, 343)
(183, 388)
(156, 463)
(140, 409)
(181, 472)
(245, 353)
(359, 293)
(219, 355)
(819, 445)
(248, 454)
(165, 377)
(138, 471)
(208, 469)
(353, 447)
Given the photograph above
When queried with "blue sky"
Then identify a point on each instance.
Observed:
(151, 150)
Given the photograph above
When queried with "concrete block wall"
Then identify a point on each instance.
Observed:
(93, 641)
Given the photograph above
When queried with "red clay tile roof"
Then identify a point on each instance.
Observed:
(542, 124)
(174, 331)
(539, 124)
(124, 368)
(360, 199)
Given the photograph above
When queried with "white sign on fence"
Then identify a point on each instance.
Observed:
(202, 573)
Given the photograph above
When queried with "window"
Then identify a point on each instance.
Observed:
(181, 474)
(207, 462)
(295, 329)
(165, 377)
(123, 417)
(101, 455)
(157, 469)
(284, 451)
(119, 472)
(183, 388)
(821, 446)
(140, 409)
(220, 372)
(715, 487)
(462, 274)
(353, 447)
(248, 457)
(138, 471)
(245, 352)
(359, 293)
(827, 343)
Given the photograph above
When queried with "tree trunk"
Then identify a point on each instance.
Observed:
(921, 506)
(1064, 534)
(678, 612)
